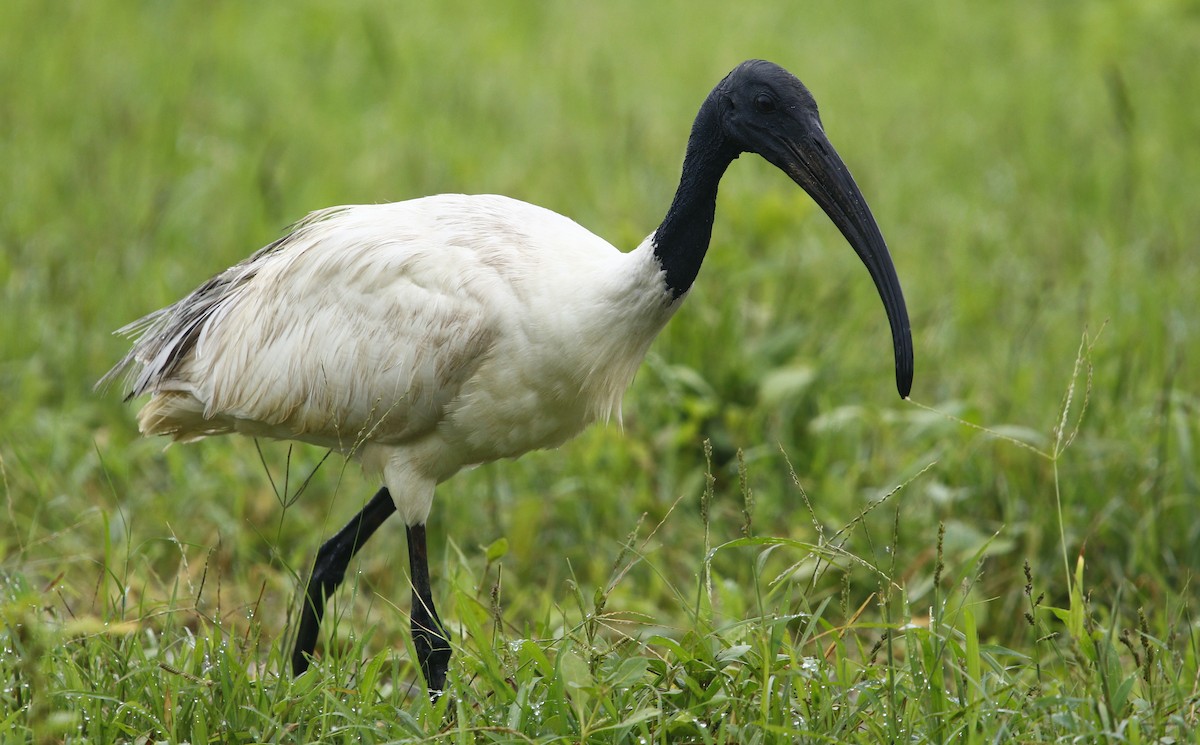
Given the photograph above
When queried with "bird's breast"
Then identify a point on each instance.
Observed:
(565, 361)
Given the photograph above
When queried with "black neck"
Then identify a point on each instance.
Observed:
(682, 239)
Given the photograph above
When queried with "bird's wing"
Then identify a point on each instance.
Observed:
(362, 323)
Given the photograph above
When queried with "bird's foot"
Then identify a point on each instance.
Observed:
(433, 654)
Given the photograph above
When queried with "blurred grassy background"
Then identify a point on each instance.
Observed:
(1033, 166)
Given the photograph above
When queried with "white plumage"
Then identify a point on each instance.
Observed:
(416, 336)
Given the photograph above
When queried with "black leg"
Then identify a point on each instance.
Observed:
(329, 570)
(428, 634)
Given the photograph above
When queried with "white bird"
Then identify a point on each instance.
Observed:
(429, 335)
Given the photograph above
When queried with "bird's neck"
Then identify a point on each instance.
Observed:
(682, 239)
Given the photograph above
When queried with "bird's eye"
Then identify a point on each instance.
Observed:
(764, 103)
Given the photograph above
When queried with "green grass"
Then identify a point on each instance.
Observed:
(1011, 557)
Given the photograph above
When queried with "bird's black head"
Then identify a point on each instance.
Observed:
(760, 104)
(762, 108)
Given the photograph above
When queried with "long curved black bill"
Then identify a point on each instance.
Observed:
(816, 167)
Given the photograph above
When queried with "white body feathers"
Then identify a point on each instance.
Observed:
(419, 337)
